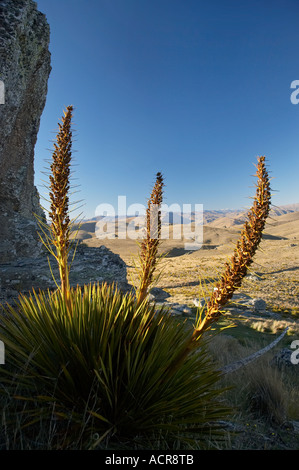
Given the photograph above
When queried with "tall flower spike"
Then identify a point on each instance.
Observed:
(150, 244)
(59, 189)
(245, 250)
(236, 270)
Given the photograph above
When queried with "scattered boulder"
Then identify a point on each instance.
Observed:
(181, 309)
(258, 304)
(199, 303)
(253, 277)
(158, 294)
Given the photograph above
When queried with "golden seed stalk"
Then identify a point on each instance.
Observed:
(56, 236)
(236, 269)
(150, 244)
(244, 252)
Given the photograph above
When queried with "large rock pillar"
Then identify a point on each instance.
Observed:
(24, 71)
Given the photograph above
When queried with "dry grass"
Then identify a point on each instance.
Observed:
(275, 262)
(265, 399)
(275, 326)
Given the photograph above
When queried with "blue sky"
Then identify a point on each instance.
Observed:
(196, 89)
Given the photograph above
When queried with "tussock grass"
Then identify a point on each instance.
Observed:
(264, 398)
(274, 326)
(267, 397)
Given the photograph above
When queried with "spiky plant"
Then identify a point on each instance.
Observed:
(150, 244)
(102, 371)
(235, 270)
(57, 236)
(117, 366)
(59, 212)
(102, 368)
(246, 247)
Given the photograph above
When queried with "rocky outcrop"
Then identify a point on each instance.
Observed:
(24, 70)
(90, 265)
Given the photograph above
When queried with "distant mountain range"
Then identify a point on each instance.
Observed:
(219, 226)
(232, 216)
(229, 218)
(286, 209)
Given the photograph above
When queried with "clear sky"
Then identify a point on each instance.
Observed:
(196, 89)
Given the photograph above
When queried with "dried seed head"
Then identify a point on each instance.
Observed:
(150, 244)
(59, 181)
(59, 190)
(244, 252)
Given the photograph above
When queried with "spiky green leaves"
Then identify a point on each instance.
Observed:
(105, 367)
